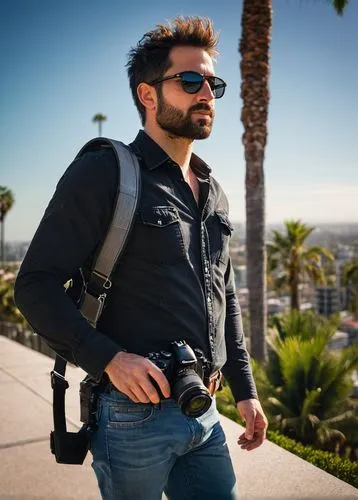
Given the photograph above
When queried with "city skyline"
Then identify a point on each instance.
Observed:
(64, 63)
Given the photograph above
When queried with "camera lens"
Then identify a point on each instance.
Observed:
(191, 394)
(196, 405)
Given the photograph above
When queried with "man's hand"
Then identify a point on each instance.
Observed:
(256, 424)
(132, 375)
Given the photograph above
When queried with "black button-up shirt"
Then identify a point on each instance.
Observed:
(174, 280)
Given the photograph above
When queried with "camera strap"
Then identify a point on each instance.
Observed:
(64, 445)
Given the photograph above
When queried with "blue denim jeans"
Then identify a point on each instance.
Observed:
(142, 450)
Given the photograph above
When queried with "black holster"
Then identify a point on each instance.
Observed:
(72, 447)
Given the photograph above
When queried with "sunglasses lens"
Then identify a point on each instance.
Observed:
(191, 82)
(217, 86)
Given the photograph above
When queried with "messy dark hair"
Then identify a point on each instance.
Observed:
(149, 59)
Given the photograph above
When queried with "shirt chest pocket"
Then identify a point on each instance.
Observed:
(160, 234)
(219, 229)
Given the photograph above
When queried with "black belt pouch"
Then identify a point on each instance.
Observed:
(70, 447)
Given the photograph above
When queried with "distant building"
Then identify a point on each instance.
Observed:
(306, 306)
(327, 300)
(340, 340)
(15, 251)
(240, 276)
(350, 325)
(243, 297)
(274, 306)
(343, 255)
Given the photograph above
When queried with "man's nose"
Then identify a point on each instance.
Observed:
(205, 93)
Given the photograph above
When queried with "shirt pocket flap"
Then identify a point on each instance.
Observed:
(225, 221)
(159, 216)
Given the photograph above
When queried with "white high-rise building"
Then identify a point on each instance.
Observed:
(343, 255)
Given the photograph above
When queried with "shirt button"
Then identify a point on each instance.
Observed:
(160, 222)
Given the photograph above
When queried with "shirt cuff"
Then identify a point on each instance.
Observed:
(242, 385)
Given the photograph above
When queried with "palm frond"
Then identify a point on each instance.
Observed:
(310, 402)
(326, 435)
(315, 252)
(340, 6)
(278, 407)
(349, 415)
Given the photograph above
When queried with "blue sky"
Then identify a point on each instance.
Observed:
(62, 62)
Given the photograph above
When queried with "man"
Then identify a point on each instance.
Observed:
(173, 283)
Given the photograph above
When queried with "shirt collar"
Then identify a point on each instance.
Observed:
(154, 156)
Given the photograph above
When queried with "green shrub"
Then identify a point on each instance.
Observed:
(305, 387)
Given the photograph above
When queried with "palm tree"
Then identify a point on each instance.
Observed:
(6, 202)
(256, 23)
(340, 6)
(291, 259)
(304, 386)
(350, 279)
(99, 118)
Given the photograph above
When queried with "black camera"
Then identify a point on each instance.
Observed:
(184, 371)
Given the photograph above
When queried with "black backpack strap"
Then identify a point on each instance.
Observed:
(59, 385)
(100, 279)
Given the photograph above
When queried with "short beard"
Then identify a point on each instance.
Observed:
(179, 124)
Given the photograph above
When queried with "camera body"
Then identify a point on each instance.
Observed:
(89, 391)
(185, 371)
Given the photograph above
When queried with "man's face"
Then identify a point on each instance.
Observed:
(182, 114)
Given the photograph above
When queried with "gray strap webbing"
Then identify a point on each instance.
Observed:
(120, 226)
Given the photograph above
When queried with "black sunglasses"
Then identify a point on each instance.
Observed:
(192, 82)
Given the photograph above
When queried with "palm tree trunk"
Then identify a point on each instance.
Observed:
(2, 238)
(293, 285)
(256, 264)
(256, 25)
(99, 128)
(295, 299)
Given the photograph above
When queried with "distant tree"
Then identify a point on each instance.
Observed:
(291, 259)
(350, 280)
(8, 310)
(340, 6)
(6, 202)
(99, 118)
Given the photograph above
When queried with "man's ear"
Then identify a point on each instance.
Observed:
(147, 96)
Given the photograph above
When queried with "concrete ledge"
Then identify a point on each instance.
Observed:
(28, 470)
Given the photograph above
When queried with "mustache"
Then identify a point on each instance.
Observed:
(202, 107)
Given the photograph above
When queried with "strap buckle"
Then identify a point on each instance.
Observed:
(107, 282)
(91, 307)
(58, 379)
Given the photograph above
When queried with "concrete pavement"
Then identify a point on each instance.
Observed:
(28, 471)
